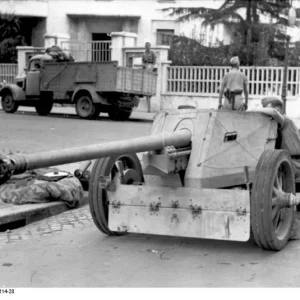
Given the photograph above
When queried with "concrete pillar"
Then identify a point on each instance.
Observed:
(55, 39)
(24, 55)
(164, 75)
(119, 40)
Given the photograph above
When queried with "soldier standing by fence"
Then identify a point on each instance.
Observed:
(233, 85)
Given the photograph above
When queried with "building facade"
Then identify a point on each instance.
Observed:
(94, 20)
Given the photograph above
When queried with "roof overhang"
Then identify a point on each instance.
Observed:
(88, 15)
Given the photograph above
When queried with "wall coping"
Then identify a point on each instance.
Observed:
(57, 35)
(143, 48)
(29, 48)
(124, 33)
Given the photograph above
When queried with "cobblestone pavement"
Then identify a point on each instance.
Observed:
(55, 224)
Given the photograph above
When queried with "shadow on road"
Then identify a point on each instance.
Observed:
(75, 117)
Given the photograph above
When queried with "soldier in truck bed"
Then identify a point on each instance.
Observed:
(233, 85)
(149, 58)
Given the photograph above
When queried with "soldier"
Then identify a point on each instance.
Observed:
(149, 58)
(288, 132)
(233, 85)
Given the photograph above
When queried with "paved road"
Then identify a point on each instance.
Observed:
(26, 131)
(67, 250)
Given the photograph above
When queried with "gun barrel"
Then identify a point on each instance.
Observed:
(25, 162)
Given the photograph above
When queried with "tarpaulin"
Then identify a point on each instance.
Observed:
(42, 185)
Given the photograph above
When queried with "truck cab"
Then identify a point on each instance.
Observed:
(30, 81)
(26, 89)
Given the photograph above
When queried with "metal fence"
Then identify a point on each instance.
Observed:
(8, 72)
(99, 51)
(207, 80)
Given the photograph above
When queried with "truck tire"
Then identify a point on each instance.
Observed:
(271, 225)
(44, 108)
(97, 111)
(85, 108)
(9, 105)
(118, 114)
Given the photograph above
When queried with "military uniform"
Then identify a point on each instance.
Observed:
(233, 85)
(149, 60)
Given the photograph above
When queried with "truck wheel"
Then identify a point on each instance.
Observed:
(127, 165)
(9, 105)
(44, 108)
(97, 111)
(85, 108)
(118, 114)
(271, 224)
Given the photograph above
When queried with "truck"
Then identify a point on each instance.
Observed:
(93, 87)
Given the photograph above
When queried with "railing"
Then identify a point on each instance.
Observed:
(8, 72)
(207, 80)
(98, 51)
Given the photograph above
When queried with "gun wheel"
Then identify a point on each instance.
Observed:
(130, 167)
(9, 105)
(271, 223)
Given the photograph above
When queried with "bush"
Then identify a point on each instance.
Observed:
(188, 52)
(263, 46)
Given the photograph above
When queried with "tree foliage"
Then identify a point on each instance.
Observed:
(232, 11)
(254, 42)
(262, 51)
(244, 13)
(10, 38)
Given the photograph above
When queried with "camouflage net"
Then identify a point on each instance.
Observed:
(35, 187)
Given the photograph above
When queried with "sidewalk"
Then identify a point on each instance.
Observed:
(14, 216)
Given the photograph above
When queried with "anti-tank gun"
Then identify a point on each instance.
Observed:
(204, 174)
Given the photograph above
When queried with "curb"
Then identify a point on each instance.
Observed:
(70, 111)
(15, 216)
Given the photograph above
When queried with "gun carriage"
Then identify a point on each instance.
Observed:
(204, 174)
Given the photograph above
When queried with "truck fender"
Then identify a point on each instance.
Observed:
(89, 89)
(16, 91)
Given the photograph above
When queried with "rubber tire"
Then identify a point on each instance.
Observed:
(13, 107)
(44, 108)
(97, 196)
(90, 113)
(97, 112)
(261, 200)
(117, 114)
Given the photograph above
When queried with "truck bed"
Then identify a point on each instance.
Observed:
(103, 76)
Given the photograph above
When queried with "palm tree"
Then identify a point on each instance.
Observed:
(245, 12)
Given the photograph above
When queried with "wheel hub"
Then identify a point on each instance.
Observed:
(8, 101)
(85, 105)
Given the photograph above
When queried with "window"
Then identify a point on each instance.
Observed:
(164, 36)
(35, 65)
